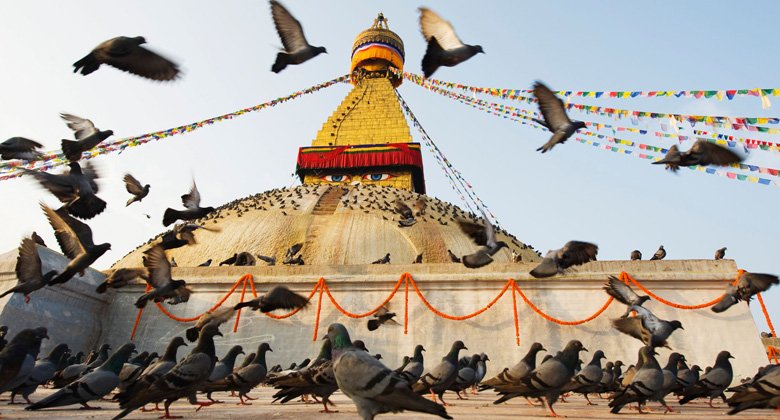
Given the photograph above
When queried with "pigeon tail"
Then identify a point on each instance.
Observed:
(86, 206)
(431, 60)
(71, 149)
(282, 59)
(170, 216)
(192, 334)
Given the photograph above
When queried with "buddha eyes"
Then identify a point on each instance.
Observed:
(348, 178)
(336, 178)
(377, 177)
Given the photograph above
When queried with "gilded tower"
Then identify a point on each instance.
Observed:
(367, 138)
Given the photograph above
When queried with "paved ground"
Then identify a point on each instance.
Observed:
(477, 407)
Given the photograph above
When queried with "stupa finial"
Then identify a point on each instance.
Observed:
(379, 21)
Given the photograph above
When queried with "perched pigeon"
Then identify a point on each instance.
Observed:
(121, 277)
(15, 352)
(383, 260)
(554, 117)
(588, 379)
(547, 380)
(413, 370)
(444, 46)
(75, 239)
(159, 277)
(20, 148)
(269, 260)
(75, 189)
(87, 137)
(407, 216)
(646, 382)
(191, 201)
(205, 263)
(701, 153)
(646, 327)
(572, 253)
(454, 258)
(418, 259)
(279, 297)
(748, 285)
(92, 386)
(296, 49)
(229, 261)
(624, 294)
(520, 370)
(636, 255)
(224, 367)
(713, 383)
(318, 380)
(41, 373)
(29, 271)
(183, 380)
(720, 253)
(134, 187)
(128, 55)
(245, 259)
(660, 254)
(382, 316)
(289, 257)
(154, 371)
(442, 376)
(243, 380)
(483, 235)
(373, 387)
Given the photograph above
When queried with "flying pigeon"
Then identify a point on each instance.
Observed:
(660, 254)
(636, 255)
(646, 382)
(624, 294)
(182, 235)
(121, 277)
(554, 117)
(720, 253)
(29, 271)
(269, 260)
(701, 153)
(279, 297)
(87, 137)
(442, 376)
(483, 235)
(217, 317)
(747, 286)
(183, 380)
(20, 148)
(296, 49)
(444, 46)
(713, 383)
(289, 257)
(382, 316)
(191, 201)
(164, 287)
(128, 55)
(75, 189)
(572, 253)
(383, 260)
(75, 239)
(135, 188)
(373, 387)
(243, 380)
(646, 327)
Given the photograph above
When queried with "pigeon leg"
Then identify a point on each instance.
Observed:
(325, 404)
(444, 403)
(528, 402)
(669, 409)
(202, 404)
(241, 397)
(28, 401)
(552, 412)
(648, 408)
(248, 397)
(208, 395)
(26, 299)
(88, 407)
(168, 415)
(710, 403)
(474, 390)
(458, 394)
(433, 395)
(144, 409)
(588, 400)
(316, 400)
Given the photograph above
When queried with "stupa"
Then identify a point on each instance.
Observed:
(359, 164)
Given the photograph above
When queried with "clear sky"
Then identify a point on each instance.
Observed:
(573, 192)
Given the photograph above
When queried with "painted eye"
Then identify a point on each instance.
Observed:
(336, 178)
(378, 177)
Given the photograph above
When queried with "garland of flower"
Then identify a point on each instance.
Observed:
(56, 158)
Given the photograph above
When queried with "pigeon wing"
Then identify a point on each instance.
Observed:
(753, 283)
(552, 108)
(133, 186)
(82, 127)
(66, 236)
(433, 26)
(289, 29)
(706, 153)
(291, 251)
(158, 266)
(631, 326)
(281, 297)
(191, 200)
(577, 252)
(620, 291)
(28, 263)
(144, 63)
(475, 231)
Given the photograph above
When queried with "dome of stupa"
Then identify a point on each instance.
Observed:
(376, 48)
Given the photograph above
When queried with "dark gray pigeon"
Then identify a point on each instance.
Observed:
(762, 391)
(87, 137)
(646, 382)
(413, 370)
(381, 316)
(701, 153)
(720, 253)
(279, 297)
(636, 255)
(467, 376)
(73, 372)
(223, 368)
(454, 258)
(120, 278)
(135, 188)
(13, 355)
(572, 253)
(547, 380)
(444, 46)
(164, 287)
(75, 239)
(205, 263)
(29, 271)
(243, 380)
(554, 117)
(28, 365)
(646, 327)
(245, 259)
(133, 368)
(270, 260)
(373, 387)
(41, 373)
(383, 260)
(128, 55)
(154, 371)
(442, 376)
(747, 286)
(191, 202)
(76, 189)
(713, 383)
(407, 216)
(624, 294)
(296, 49)
(483, 235)
(660, 254)
(670, 381)
(318, 380)
(289, 257)
(588, 379)
(20, 148)
(520, 370)
(182, 235)
(418, 259)
(229, 261)
(686, 377)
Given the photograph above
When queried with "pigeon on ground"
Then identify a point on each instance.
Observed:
(75, 189)
(183, 380)
(624, 294)
(483, 235)
(224, 367)
(247, 360)
(547, 380)
(244, 379)
(73, 372)
(270, 260)
(41, 373)
(442, 376)
(660, 254)
(193, 210)
(636, 255)
(701, 153)
(418, 259)
(159, 277)
(87, 137)
(296, 49)
(670, 381)
(467, 376)
(646, 327)
(454, 258)
(588, 379)
(713, 383)
(135, 188)
(13, 355)
(520, 370)
(29, 271)
(121, 277)
(554, 117)
(20, 148)
(279, 297)
(318, 380)
(27, 365)
(92, 386)
(413, 370)
(686, 377)
(373, 387)
(444, 46)
(205, 263)
(229, 261)
(245, 259)
(75, 239)
(572, 253)
(289, 257)
(383, 260)
(762, 391)
(646, 382)
(133, 368)
(154, 371)
(747, 286)
(128, 55)
(381, 316)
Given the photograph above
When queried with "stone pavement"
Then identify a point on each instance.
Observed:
(478, 407)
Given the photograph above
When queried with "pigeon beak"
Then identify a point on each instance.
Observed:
(543, 349)
(219, 334)
(584, 349)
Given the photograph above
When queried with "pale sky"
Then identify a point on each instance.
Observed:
(575, 191)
